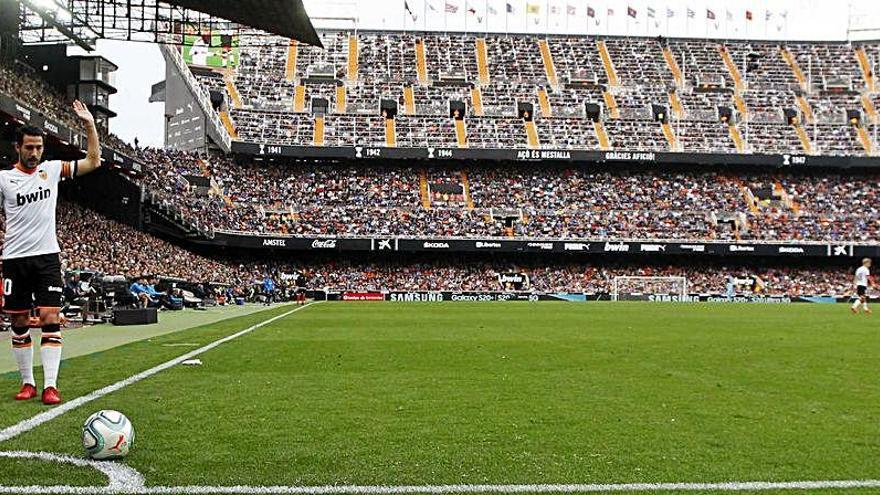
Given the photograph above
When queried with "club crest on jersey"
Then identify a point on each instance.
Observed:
(44, 175)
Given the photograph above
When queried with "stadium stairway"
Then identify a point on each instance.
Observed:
(748, 197)
(607, 63)
(675, 104)
(390, 133)
(805, 140)
(549, 67)
(290, 66)
(737, 138)
(670, 136)
(340, 98)
(477, 100)
(804, 105)
(461, 133)
(785, 198)
(601, 136)
(423, 189)
(738, 86)
(353, 53)
(740, 104)
(482, 61)
(673, 66)
(409, 100)
(532, 134)
(731, 68)
(231, 89)
(215, 188)
(421, 62)
(795, 68)
(227, 123)
(870, 109)
(865, 65)
(865, 139)
(611, 105)
(299, 98)
(466, 187)
(318, 138)
(544, 101)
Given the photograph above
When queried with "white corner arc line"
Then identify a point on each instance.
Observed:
(31, 423)
(120, 477)
(732, 486)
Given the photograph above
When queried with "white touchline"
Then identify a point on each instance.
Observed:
(444, 489)
(30, 424)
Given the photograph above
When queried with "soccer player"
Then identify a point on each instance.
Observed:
(861, 280)
(301, 283)
(268, 289)
(31, 264)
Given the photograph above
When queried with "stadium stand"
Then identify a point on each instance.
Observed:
(756, 79)
(549, 202)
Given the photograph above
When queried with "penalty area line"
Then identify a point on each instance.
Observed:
(31, 423)
(444, 489)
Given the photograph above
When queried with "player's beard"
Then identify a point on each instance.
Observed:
(31, 163)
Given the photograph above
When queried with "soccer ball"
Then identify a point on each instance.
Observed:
(107, 435)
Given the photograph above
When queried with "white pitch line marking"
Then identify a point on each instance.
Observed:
(31, 423)
(121, 477)
(444, 489)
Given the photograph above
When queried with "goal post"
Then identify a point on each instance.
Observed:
(632, 288)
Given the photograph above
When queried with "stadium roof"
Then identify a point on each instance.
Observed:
(282, 17)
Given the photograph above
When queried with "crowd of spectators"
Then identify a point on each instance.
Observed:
(445, 274)
(93, 243)
(21, 82)
(530, 201)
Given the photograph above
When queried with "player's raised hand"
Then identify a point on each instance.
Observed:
(83, 112)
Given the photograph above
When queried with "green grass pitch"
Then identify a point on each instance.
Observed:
(495, 393)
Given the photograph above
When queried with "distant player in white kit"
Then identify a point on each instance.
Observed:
(861, 280)
(31, 263)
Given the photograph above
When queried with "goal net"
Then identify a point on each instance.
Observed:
(649, 288)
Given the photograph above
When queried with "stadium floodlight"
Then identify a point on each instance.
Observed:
(83, 22)
(58, 18)
(628, 288)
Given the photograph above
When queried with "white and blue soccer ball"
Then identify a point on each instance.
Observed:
(107, 435)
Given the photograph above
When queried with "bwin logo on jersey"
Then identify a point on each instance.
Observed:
(33, 197)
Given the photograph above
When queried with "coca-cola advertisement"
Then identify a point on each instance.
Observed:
(324, 244)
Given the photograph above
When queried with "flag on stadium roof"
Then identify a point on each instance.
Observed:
(651, 12)
(748, 15)
(591, 12)
(509, 8)
(533, 8)
(710, 14)
(451, 9)
(631, 12)
(492, 10)
(409, 10)
(571, 10)
(610, 12)
(691, 13)
(670, 12)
